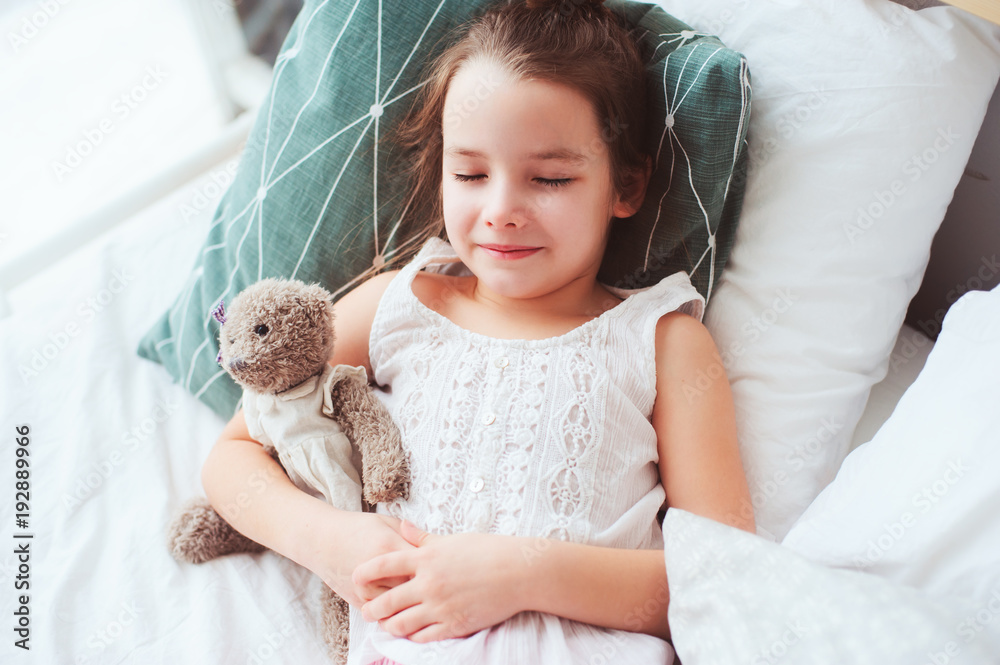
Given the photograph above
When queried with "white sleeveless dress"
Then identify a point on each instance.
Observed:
(545, 438)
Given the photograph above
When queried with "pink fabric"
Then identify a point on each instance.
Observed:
(385, 661)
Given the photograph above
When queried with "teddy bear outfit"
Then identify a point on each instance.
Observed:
(317, 455)
(547, 438)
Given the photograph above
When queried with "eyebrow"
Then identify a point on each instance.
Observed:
(555, 154)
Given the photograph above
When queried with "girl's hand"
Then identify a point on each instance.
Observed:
(336, 543)
(457, 585)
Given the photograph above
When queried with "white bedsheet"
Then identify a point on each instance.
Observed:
(115, 446)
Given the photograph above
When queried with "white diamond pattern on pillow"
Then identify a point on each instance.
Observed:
(864, 117)
(684, 177)
(737, 598)
(255, 208)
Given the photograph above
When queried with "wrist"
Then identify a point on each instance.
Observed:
(529, 576)
(303, 534)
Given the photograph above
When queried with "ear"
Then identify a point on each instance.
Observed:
(628, 203)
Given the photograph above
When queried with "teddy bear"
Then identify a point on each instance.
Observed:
(321, 423)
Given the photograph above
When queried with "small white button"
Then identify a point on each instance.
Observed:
(501, 362)
(477, 485)
(489, 419)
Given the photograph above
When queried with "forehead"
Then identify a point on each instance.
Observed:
(487, 112)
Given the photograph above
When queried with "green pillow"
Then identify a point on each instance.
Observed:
(315, 198)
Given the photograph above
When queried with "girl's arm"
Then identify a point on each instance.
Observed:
(462, 583)
(467, 582)
(695, 422)
(252, 492)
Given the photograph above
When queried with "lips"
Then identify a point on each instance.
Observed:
(509, 252)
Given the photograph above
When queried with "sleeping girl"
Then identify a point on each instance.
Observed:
(545, 415)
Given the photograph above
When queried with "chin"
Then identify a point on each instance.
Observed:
(513, 288)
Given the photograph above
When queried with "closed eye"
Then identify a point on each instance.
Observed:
(548, 182)
(558, 182)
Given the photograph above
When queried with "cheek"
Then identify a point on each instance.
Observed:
(457, 204)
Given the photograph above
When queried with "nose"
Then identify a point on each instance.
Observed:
(237, 365)
(504, 208)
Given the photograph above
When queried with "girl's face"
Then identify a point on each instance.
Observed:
(526, 182)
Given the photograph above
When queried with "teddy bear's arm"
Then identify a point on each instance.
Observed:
(384, 470)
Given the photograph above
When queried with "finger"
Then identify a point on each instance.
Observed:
(391, 602)
(392, 564)
(371, 591)
(393, 522)
(413, 534)
(411, 620)
(430, 633)
(456, 624)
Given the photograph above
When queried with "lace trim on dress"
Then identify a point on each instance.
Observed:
(577, 431)
(525, 415)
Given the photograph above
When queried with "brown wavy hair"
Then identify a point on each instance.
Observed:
(578, 43)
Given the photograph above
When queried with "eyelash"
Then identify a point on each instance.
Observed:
(557, 182)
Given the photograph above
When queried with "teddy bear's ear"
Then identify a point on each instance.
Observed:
(219, 313)
(320, 303)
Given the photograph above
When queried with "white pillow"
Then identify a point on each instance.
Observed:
(920, 503)
(864, 115)
(737, 598)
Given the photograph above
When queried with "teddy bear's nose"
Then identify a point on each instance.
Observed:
(237, 365)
